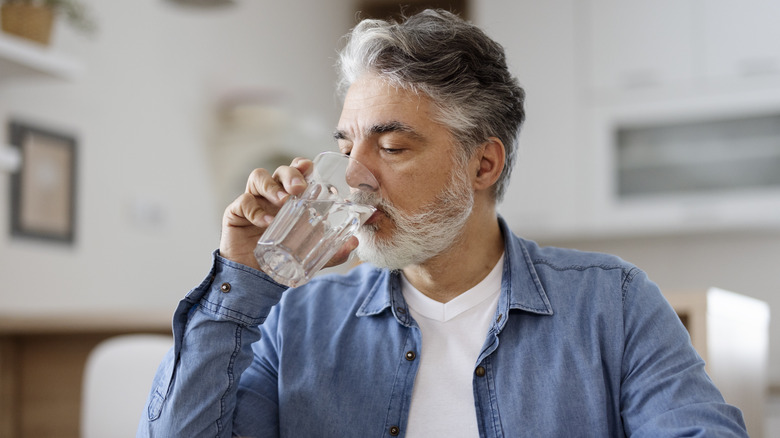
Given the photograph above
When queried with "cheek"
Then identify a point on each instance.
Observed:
(413, 192)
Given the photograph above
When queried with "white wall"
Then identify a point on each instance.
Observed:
(143, 112)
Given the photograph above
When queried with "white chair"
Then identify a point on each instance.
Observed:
(117, 380)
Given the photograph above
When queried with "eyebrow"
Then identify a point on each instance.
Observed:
(382, 128)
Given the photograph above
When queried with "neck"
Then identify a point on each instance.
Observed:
(467, 262)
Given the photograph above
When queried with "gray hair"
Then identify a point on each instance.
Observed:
(453, 62)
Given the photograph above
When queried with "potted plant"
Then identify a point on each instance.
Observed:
(33, 19)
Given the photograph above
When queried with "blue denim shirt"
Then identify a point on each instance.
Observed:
(582, 345)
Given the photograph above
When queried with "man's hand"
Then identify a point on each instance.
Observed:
(245, 220)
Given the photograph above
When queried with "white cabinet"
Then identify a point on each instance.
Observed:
(639, 43)
(705, 140)
(740, 38)
(595, 67)
(664, 67)
(634, 44)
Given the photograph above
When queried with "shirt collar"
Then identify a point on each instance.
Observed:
(386, 293)
(520, 286)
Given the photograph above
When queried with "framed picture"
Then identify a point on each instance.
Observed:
(43, 191)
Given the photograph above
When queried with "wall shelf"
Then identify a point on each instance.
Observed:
(22, 58)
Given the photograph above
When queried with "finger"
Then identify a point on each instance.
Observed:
(248, 209)
(293, 177)
(304, 165)
(261, 183)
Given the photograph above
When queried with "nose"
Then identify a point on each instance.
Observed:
(360, 177)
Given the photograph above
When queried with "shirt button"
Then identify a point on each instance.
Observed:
(394, 430)
(410, 355)
(225, 287)
(480, 371)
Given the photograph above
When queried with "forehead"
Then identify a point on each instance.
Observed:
(371, 100)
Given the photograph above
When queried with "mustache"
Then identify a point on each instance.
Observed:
(381, 204)
(368, 198)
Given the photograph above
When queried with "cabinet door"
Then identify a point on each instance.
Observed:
(741, 38)
(639, 43)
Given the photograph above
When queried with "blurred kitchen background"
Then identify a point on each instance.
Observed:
(653, 132)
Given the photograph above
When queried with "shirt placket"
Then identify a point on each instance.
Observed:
(403, 384)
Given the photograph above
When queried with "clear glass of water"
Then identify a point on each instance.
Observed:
(311, 227)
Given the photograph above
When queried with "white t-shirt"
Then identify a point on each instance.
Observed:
(453, 334)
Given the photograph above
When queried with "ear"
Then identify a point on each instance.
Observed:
(491, 157)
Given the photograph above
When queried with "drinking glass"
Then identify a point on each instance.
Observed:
(311, 227)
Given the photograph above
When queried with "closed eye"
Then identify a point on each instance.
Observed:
(392, 151)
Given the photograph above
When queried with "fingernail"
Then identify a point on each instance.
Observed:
(298, 182)
(281, 195)
(268, 219)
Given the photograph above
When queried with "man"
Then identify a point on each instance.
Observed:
(455, 327)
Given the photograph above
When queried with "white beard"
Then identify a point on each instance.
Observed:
(422, 236)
